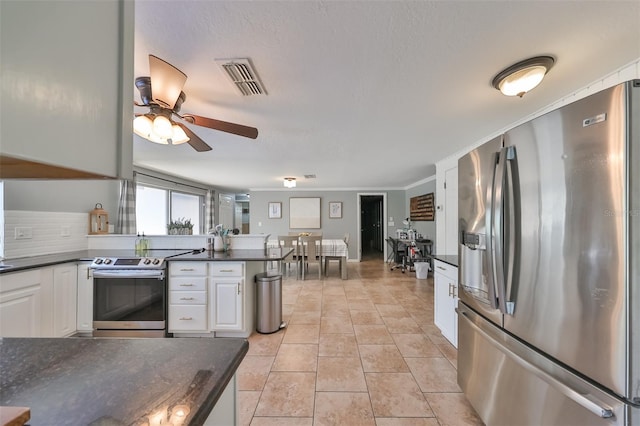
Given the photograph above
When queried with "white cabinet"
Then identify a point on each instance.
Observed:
(67, 85)
(212, 298)
(39, 302)
(65, 296)
(226, 296)
(21, 304)
(445, 283)
(84, 318)
(187, 297)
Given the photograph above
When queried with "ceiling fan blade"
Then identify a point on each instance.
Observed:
(194, 140)
(224, 126)
(167, 82)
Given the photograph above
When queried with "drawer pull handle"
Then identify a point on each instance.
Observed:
(187, 270)
(186, 285)
(226, 270)
(186, 298)
(186, 319)
(440, 267)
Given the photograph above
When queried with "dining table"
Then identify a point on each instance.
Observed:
(331, 247)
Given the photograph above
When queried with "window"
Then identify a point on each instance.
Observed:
(156, 207)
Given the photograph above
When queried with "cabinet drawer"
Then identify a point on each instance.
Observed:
(187, 318)
(188, 283)
(235, 269)
(188, 297)
(187, 268)
(445, 269)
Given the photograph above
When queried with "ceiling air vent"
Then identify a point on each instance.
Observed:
(309, 176)
(243, 76)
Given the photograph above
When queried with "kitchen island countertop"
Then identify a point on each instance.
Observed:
(116, 381)
(451, 259)
(25, 263)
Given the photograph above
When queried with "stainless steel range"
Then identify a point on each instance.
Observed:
(129, 296)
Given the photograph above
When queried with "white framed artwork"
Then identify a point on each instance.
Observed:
(304, 212)
(335, 210)
(275, 210)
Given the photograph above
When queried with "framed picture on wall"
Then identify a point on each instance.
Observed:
(304, 212)
(335, 210)
(275, 210)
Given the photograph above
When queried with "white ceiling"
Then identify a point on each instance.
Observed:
(365, 94)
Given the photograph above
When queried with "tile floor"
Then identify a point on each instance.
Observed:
(363, 351)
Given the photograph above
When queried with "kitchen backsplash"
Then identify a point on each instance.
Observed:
(31, 233)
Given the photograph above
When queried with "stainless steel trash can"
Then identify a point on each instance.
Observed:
(269, 303)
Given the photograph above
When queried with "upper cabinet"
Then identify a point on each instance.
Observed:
(67, 89)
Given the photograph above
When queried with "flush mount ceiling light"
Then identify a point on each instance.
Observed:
(520, 78)
(290, 182)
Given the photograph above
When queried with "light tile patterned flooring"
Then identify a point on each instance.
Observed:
(363, 351)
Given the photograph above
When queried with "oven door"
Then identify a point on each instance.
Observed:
(130, 301)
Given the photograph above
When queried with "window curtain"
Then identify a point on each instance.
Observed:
(126, 222)
(209, 212)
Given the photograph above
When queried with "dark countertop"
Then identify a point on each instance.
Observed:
(451, 259)
(75, 381)
(24, 263)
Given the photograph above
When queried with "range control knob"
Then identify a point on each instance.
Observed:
(98, 261)
(156, 261)
(146, 261)
(107, 261)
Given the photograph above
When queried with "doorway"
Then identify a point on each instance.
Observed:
(372, 232)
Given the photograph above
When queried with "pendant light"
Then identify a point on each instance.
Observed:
(523, 76)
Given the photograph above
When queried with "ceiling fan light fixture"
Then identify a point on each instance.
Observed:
(179, 136)
(167, 82)
(523, 76)
(162, 127)
(289, 182)
(142, 126)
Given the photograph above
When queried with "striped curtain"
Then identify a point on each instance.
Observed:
(209, 212)
(126, 222)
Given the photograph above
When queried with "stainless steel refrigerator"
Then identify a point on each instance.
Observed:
(549, 277)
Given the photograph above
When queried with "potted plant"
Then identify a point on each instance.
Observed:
(180, 226)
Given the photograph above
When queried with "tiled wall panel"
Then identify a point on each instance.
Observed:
(47, 229)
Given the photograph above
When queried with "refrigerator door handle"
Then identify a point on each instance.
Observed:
(489, 258)
(497, 228)
(585, 400)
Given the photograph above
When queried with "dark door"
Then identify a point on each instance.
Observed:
(371, 217)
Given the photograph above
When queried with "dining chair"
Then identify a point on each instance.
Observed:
(287, 242)
(338, 258)
(311, 252)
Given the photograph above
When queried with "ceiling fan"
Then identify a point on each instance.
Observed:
(164, 103)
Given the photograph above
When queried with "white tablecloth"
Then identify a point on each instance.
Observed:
(330, 247)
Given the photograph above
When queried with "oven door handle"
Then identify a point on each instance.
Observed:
(128, 273)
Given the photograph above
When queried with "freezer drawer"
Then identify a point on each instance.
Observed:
(508, 383)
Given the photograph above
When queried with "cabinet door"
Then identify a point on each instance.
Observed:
(84, 319)
(81, 103)
(225, 304)
(65, 296)
(445, 303)
(441, 302)
(21, 304)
